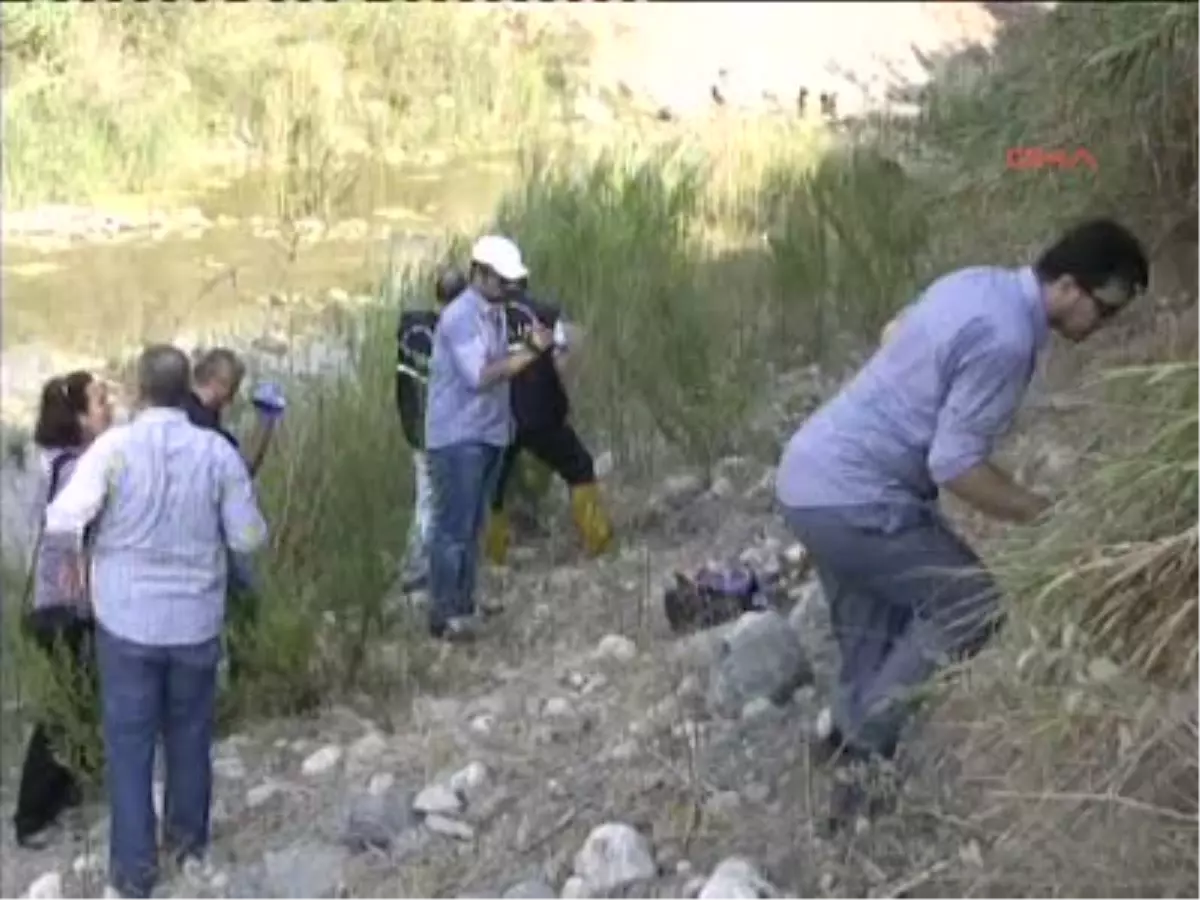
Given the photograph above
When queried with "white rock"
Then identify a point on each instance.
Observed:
(87, 863)
(322, 760)
(694, 887)
(624, 751)
(575, 888)
(368, 748)
(261, 793)
(469, 779)
(824, 726)
(437, 799)
(614, 854)
(380, 783)
(616, 647)
(794, 555)
(759, 706)
(735, 878)
(46, 887)
(483, 724)
(603, 465)
(557, 708)
(444, 825)
(230, 767)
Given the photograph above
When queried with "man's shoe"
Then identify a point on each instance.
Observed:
(456, 630)
(413, 582)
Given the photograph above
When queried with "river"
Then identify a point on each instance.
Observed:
(84, 287)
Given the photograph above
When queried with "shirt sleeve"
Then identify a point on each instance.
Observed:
(467, 347)
(980, 406)
(241, 520)
(82, 497)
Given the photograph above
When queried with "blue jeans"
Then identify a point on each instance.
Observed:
(903, 600)
(147, 692)
(463, 479)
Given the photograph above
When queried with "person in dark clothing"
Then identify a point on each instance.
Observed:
(414, 339)
(216, 380)
(542, 411)
(74, 410)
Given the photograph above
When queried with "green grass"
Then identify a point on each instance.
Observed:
(103, 101)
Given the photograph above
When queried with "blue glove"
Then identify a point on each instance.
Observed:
(268, 399)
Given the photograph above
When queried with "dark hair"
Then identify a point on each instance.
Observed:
(215, 360)
(1095, 253)
(450, 283)
(163, 375)
(64, 400)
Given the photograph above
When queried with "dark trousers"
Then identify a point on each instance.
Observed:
(147, 692)
(241, 615)
(559, 447)
(48, 786)
(902, 602)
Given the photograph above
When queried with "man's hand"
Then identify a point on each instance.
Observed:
(994, 493)
(540, 337)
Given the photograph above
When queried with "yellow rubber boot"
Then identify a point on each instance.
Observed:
(495, 537)
(590, 519)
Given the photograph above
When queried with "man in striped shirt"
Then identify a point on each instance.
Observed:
(168, 502)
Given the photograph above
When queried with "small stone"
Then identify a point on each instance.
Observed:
(338, 295)
(761, 657)
(45, 887)
(694, 886)
(531, 889)
(482, 724)
(759, 706)
(1103, 670)
(322, 760)
(368, 748)
(795, 555)
(827, 883)
(757, 792)
(736, 878)
(614, 855)
(230, 767)
(624, 751)
(437, 799)
(603, 465)
(724, 802)
(575, 888)
(380, 783)
(970, 854)
(616, 647)
(375, 820)
(261, 793)
(87, 863)
(444, 825)
(468, 780)
(722, 487)
(306, 869)
(824, 724)
(558, 708)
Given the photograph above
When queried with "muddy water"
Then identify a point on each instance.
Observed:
(81, 288)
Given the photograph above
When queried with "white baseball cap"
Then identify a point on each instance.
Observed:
(500, 255)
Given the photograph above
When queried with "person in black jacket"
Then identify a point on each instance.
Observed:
(414, 339)
(542, 411)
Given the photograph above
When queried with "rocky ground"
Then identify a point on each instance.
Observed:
(580, 750)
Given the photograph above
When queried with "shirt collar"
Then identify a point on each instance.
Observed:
(161, 414)
(1031, 293)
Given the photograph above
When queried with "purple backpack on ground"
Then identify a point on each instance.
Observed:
(711, 597)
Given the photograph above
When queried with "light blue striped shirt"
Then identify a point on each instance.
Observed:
(169, 501)
(931, 402)
(471, 334)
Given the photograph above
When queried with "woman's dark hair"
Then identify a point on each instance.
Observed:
(64, 400)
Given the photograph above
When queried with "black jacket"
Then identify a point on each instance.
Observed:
(414, 340)
(538, 397)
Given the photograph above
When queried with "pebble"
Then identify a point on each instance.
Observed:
(261, 793)
(530, 889)
(617, 648)
(380, 783)
(575, 888)
(230, 767)
(444, 825)
(759, 706)
(558, 708)
(483, 724)
(736, 878)
(322, 760)
(46, 887)
(88, 862)
(469, 779)
(614, 855)
(437, 799)
(368, 748)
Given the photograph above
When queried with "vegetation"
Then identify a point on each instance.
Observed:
(697, 279)
(104, 100)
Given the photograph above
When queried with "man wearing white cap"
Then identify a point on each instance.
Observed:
(469, 424)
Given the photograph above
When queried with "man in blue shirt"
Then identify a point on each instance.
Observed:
(414, 344)
(469, 424)
(859, 481)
